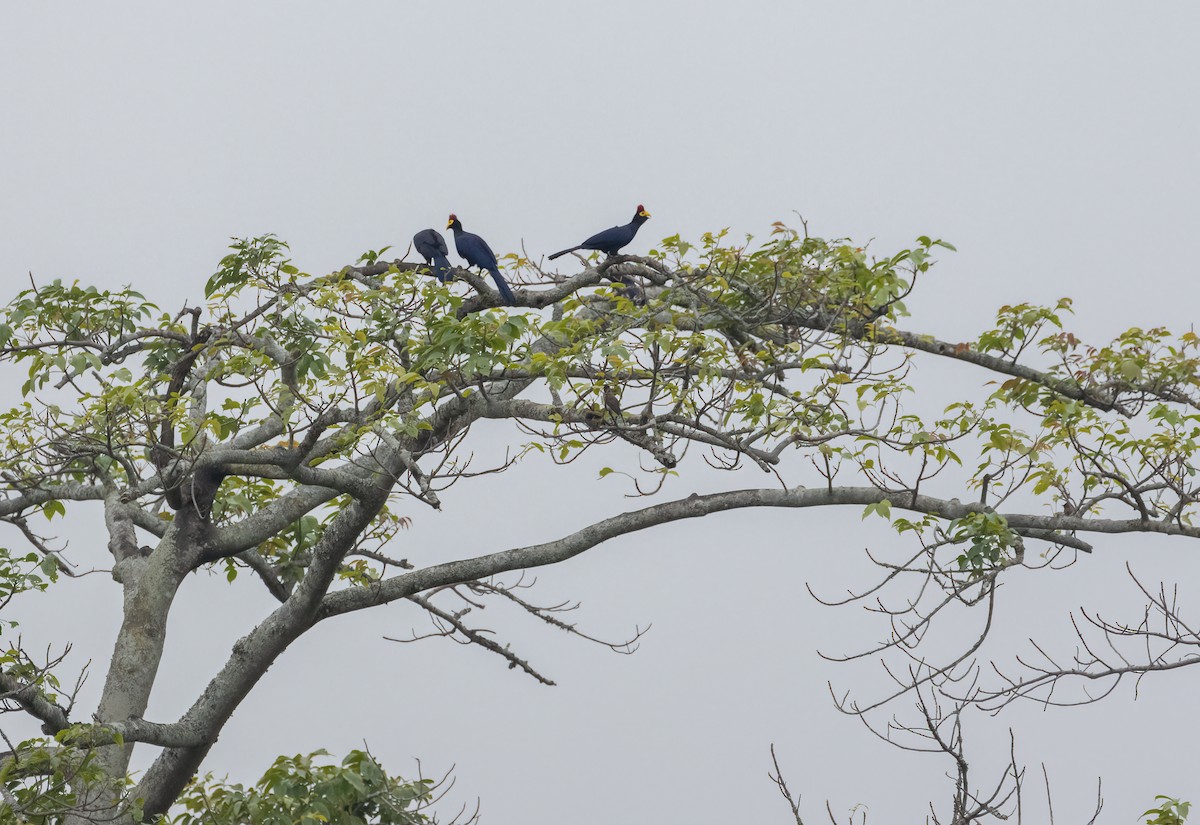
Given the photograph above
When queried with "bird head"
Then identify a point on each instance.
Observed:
(641, 212)
(454, 222)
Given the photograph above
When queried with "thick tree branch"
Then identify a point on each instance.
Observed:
(253, 654)
(697, 506)
(34, 701)
(66, 491)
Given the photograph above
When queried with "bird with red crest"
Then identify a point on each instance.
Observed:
(475, 251)
(614, 239)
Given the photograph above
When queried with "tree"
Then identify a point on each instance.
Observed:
(272, 430)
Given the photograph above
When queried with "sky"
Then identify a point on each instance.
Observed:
(1053, 144)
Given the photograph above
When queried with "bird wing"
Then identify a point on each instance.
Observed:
(474, 250)
(429, 243)
(608, 236)
(488, 253)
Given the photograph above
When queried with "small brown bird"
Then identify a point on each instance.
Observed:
(611, 402)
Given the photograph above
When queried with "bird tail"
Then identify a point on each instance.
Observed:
(441, 267)
(564, 252)
(505, 291)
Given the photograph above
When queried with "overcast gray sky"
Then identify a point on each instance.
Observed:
(1054, 144)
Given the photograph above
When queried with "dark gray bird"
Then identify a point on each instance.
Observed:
(626, 286)
(611, 240)
(431, 246)
(475, 251)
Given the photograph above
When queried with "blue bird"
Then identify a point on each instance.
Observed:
(475, 251)
(431, 246)
(612, 239)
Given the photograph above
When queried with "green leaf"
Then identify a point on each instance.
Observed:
(53, 508)
(1129, 369)
(48, 567)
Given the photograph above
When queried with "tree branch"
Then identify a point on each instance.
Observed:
(34, 701)
(697, 506)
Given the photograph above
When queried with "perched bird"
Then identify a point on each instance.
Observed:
(611, 240)
(431, 246)
(612, 402)
(629, 289)
(475, 251)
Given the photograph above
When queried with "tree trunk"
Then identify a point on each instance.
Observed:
(150, 583)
